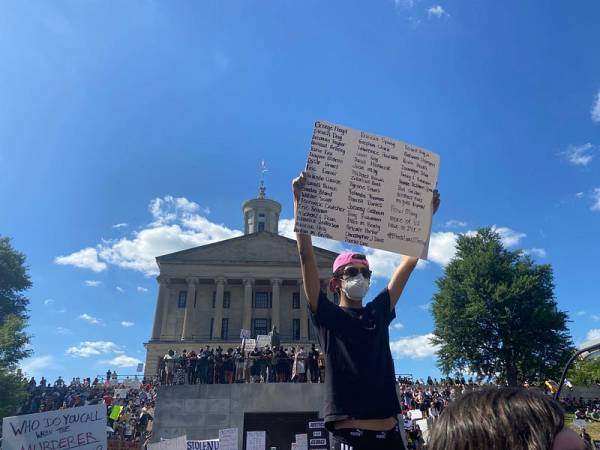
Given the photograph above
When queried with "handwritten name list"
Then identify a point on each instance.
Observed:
(368, 190)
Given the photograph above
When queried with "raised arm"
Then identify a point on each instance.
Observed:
(308, 261)
(407, 265)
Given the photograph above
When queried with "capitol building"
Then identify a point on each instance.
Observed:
(207, 295)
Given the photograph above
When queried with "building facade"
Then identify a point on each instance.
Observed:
(208, 294)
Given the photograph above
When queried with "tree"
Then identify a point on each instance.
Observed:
(585, 371)
(14, 280)
(495, 314)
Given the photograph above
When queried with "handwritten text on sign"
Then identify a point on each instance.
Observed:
(83, 428)
(368, 190)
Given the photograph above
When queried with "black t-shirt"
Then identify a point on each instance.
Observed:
(359, 381)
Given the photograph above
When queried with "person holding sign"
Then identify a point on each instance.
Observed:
(361, 404)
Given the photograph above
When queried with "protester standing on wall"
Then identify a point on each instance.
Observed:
(361, 404)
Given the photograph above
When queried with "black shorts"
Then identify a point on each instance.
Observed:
(359, 439)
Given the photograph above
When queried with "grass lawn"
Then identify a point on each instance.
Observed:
(593, 428)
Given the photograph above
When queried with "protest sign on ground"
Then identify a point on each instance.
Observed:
(83, 427)
(208, 444)
(368, 190)
(256, 440)
(228, 439)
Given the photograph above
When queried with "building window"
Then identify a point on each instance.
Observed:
(260, 326)
(212, 323)
(214, 299)
(226, 299)
(309, 326)
(296, 329)
(261, 226)
(224, 328)
(296, 300)
(262, 300)
(182, 299)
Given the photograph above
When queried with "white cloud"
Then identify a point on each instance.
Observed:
(122, 361)
(92, 283)
(176, 225)
(595, 317)
(127, 324)
(592, 337)
(142, 289)
(455, 224)
(92, 348)
(425, 306)
(35, 365)
(579, 155)
(580, 313)
(90, 319)
(442, 247)
(48, 301)
(436, 11)
(579, 195)
(596, 199)
(120, 289)
(539, 252)
(120, 225)
(84, 259)
(595, 112)
(397, 326)
(62, 330)
(509, 237)
(414, 347)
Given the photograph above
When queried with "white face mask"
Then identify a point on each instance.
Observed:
(356, 287)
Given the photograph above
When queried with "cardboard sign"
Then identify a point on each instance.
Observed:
(140, 367)
(368, 190)
(208, 444)
(262, 340)
(415, 414)
(244, 334)
(302, 441)
(83, 427)
(228, 439)
(256, 440)
(249, 344)
(120, 393)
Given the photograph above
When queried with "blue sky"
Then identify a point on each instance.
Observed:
(156, 115)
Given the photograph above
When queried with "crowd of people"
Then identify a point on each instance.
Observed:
(129, 402)
(260, 365)
(419, 398)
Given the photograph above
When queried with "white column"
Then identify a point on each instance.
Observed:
(160, 308)
(303, 312)
(247, 312)
(220, 282)
(166, 303)
(186, 333)
(275, 310)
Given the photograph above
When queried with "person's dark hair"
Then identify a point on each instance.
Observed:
(498, 419)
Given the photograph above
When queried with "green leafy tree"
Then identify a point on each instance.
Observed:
(495, 314)
(586, 371)
(14, 280)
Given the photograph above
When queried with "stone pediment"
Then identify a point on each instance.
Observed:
(257, 248)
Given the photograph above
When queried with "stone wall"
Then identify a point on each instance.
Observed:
(199, 411)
